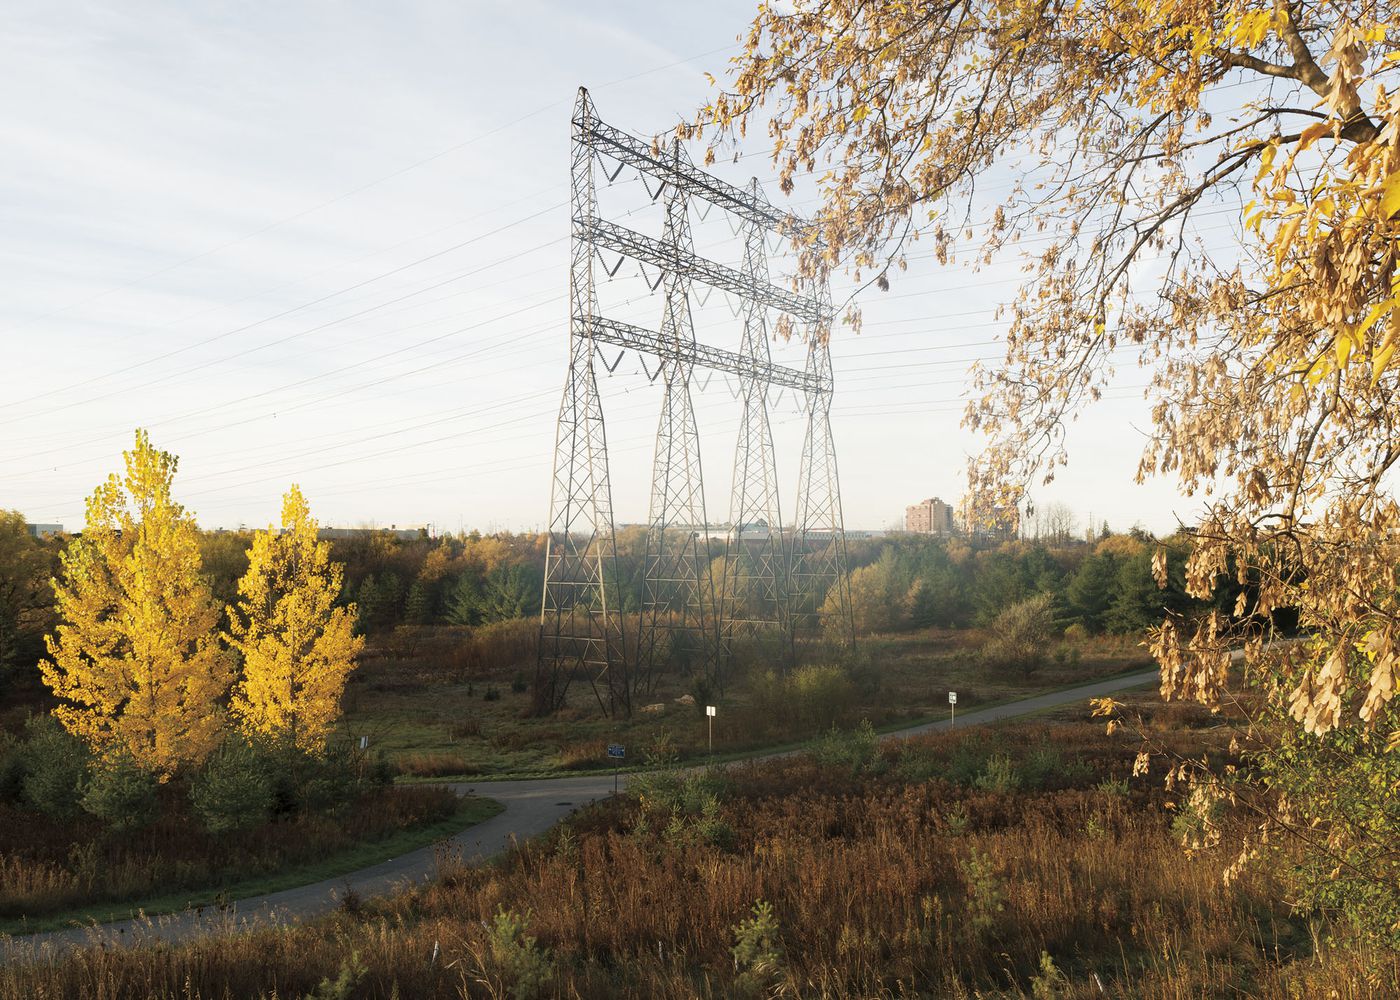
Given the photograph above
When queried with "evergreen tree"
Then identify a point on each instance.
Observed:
(1091, 591)
(419, 606)
(464, 601)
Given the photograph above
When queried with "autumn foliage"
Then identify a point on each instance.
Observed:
(1118, 126)
(136, 660)
(297, 645)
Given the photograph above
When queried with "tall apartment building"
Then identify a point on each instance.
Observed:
(931, 517)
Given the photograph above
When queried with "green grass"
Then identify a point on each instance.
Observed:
(435, 721)
(769, 749)
(470, 811)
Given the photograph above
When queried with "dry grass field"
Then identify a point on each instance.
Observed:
(1020, 861)
(444, 703)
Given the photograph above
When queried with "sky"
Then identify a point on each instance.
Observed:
(327, 244)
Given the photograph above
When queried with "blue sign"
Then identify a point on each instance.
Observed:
(616, 750)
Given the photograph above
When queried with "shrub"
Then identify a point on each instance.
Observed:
(880, 596)
(235, 789)
(985, 898)
(1020, 634)
(121, 793)
(55, 764)
(1076, 633)
(757, 947)
(1000, 775)
(512, 963)
(343, 986)
(435, 765)
(1114, 787)
(341, 773)
(821, 695)
(857, 748)
(1046, 985)
(12, 768)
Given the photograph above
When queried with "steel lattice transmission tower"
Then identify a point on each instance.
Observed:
(754, 589)
(678, 600)
(772, 579)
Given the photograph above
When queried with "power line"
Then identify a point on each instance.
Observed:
(370, 184)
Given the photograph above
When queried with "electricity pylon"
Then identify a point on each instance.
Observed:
(768, 584)
(754, 585)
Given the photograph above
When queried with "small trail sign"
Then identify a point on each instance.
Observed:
(615, 754)
(710, 711)
(952, 708)
(952, 697)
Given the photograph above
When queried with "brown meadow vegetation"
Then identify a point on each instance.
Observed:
(50, 866)
(980, 863)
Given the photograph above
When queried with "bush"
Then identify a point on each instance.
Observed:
(821, 696)
(332, 779)
(121, 793)
(1000, 775)
(235, 789)
(758, 949)
(881, 594)
(55, 764)
(12, 768)
(985, 896)
(512, 963)
(857, 749)
(1020, 635)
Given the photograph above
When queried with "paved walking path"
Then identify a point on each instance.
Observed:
(531, 808)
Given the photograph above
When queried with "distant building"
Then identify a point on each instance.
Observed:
(753, 531)
(931, 517)
(44, 530)
(402, 534)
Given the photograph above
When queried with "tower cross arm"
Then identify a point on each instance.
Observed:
(669, 257)
(628, 149)
(611, 331)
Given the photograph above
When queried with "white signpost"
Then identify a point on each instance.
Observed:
(953, 709)
(710, 718)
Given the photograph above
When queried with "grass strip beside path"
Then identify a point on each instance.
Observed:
(752, 752)
(470, 811)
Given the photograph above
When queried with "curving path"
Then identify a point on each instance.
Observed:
(531, 808)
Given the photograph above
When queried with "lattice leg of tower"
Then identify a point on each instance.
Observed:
(581, 624)
(754, 585)
(677, 619)
(820, 585)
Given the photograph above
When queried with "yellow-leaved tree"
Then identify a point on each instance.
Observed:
(1091, 143)
(135, 660)
(298, 647)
